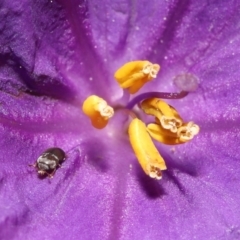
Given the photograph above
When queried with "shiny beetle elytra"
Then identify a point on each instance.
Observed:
(49, 161)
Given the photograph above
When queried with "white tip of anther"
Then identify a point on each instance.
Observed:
(151, 69)
(105, 110)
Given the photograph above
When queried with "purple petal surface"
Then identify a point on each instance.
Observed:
(53, 54)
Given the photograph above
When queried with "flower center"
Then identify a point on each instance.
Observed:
(168, 127)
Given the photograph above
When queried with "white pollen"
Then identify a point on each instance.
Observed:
(105, 110)
(90, 79)
(187, 132)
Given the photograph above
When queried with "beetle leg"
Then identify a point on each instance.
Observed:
(32, 165)
(60, 166)
(50, 175)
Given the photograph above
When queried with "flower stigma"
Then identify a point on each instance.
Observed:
(168, 127)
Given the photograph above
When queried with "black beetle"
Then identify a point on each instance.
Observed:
(49, 161)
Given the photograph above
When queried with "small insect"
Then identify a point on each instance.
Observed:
(49, 161)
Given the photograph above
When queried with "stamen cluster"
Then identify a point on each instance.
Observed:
(168, 127)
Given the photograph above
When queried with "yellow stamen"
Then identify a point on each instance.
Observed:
(144, 149)
(184, 134)
(162, 135)
(188, 131)
(98, 111)
(166, 114)
(133, 75)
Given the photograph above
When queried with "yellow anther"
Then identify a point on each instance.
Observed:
(187, 131)
(184, 134)
(98, 111)
(162, 135)
(133, 75)
(166, 114)
(144, 149)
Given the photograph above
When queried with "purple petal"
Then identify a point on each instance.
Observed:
(101, 192)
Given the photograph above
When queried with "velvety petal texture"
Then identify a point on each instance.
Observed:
(54, 54)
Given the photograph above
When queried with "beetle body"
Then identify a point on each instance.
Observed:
(49, 161)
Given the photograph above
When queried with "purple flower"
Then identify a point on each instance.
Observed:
(54, 54)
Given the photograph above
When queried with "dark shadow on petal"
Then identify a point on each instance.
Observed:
(2, 182)
(96, 68)
(13, 222)
(173, 168)
(186, 167)
(95, 152)
(73, 162)
(36, 85)
(150, 186)
(170, 175)
(173, 177)
(177, 13)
